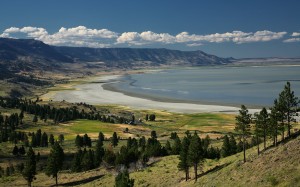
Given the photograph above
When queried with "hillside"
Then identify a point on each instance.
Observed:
(28, 55)
(131, 57)
(277, 166)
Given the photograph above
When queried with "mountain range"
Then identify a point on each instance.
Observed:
(28, 54)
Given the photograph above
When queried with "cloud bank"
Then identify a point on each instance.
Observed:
(87, 37)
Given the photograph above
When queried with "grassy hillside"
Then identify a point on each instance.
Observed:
(277, 166)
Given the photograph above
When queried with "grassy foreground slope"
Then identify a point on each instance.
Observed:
(278, 166)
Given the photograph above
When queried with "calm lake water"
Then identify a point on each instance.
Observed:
(254, 86)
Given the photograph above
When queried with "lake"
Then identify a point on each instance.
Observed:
(254, 86)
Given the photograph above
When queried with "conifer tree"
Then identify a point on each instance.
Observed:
(15, 151)
(176, 146)
(22, 150)
(38, 137)
(29, 171)
(243, 121)
(226, 149)
(21, 116)
(55, 161)
(168, 147)
(273, 126)
(261, 126)
(99, 153)
(183, 162)
(195, 153)
(87, 162)
(61, 138)
(114, 140)
(44, 140)
(35, 119)
(33, 140)
(290, 105)
(51, 139)
(101, 137)
(79, 141)
(123, 180)
(233, 146)
(76, 162)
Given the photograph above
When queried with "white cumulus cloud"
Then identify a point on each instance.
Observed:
(295, 34)
(290, 40)
(87, 37)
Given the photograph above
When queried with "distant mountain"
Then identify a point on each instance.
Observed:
(28, 54)
(136, 56)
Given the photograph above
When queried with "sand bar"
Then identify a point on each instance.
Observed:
(93, 93)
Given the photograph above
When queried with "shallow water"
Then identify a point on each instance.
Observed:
(255, 86)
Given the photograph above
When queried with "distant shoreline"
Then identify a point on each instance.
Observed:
(105, 94)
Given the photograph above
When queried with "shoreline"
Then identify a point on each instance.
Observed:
(104, 94)
(109, 87)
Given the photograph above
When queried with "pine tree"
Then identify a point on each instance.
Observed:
(44, 140)
(114, 140)
(15, 151)
(87, 162)
(226, 149)
(183, 162)
(176, 146)
(35, 119)
(61, 139)
(206, 142)
(109, 156)
(21, 116)
(29, 171)
(152, 117)
(279, 106)
(243, 121)
(101, 137)
(195, 153)
(233, 146)
(261, 126)
(55, 161)
(99, 153)
(22, 150)
(76, 162)
(273, 126)
(291, 103)
(51, 139)
(79, 141)
(33, 140)
(168, 147)
(38, 137)
(153, 135)
(123, 180)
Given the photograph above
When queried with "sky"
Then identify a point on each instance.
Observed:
(231, 28)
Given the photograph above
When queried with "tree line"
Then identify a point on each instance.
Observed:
(267, 124)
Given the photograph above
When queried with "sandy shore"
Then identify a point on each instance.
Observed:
(94, 93)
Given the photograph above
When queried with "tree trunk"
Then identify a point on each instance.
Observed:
(186, 174)
(56, 180)
(196, 174)
(275, 137)
(282, 135)
(257, 141)
(265, 134)
(29, 183)
(289, 125)
(244, 148)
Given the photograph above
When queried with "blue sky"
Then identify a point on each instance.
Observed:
(252, 28)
